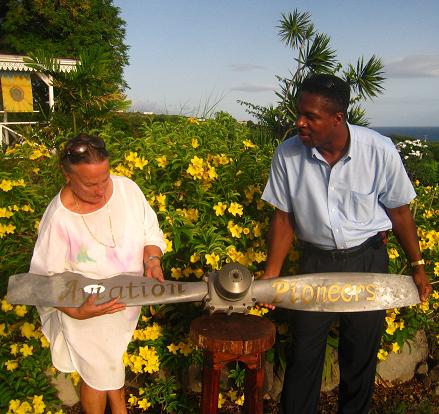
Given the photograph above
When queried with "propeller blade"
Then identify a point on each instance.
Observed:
(71, 289)
(338, 292)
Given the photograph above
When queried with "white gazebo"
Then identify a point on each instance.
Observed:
(15, 63)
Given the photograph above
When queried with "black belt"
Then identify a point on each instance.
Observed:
(340, 254)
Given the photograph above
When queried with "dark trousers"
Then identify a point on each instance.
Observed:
(360, 336)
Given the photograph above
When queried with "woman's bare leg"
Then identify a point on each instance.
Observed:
(92, 401)
(117, 401)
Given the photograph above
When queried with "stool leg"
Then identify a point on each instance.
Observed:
(254, 387)
(210, 388)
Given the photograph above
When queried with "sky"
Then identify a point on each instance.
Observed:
(189, 56)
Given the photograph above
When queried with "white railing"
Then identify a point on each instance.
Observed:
(5, 131)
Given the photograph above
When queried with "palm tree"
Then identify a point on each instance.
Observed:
(87, 93)
(315, 55)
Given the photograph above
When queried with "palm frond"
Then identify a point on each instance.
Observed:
(295, 29)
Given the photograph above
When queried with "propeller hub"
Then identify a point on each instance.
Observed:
(233, 282)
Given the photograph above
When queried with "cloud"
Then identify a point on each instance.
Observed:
(253, 88)
(414, 66)
(245, 67)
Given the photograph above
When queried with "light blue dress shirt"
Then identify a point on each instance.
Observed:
(341, 206)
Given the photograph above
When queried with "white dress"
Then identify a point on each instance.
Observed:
(94, 347)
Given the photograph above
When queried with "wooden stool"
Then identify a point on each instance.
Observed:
(227, 338)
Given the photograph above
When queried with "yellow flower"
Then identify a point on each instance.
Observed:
(220, 208)
(28, 330)
(2, 329)
(27, 208)
(27, 350)
(9, 229)
(11, 365)
(162, 162)
(391, 328)
(195, 143)
(195, 258)
(168, 244)
(424, 306)
(234, 229)
(198, 273)
(235, 209)
(74, 376)
(150, 359)
(212, 260)
(132, 400)
(6, 307)
(221, 400)
(20, 310)
(395, 347)
(122, 170)
(14, 349)
(393, 253)
(193, 120)
(248, 144)
(6, 185)
(14, 405)
(176, 273)
(39, 406)
(185, 348)
(44, 342)
(173, 348)
(5, 213)
(382, 355)
(240, 400)
(144, 404)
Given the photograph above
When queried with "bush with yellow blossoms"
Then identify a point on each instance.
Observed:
(24, 361)
(204, 178)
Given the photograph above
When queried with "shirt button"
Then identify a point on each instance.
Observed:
(332, 187)
(336, 230)
(332, 209)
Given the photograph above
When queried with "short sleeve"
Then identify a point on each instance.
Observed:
(153, 235)
(49, 255)
(275, 191)
(399, 189)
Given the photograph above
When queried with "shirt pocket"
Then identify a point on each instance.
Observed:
(361, 207)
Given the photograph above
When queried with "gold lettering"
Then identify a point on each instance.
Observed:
(161, 290)
(181, 289)
(281, 286)
(145, 294)
(358, 289)
(130, 290)
(72, 287)
(321, 294)
(346, 289)
(371, 289)
(303, 296)
(117, 295)
(293, 293)
(333, 290)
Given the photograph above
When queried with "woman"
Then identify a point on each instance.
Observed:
(98, 225)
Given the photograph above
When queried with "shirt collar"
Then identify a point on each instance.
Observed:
(350, 152)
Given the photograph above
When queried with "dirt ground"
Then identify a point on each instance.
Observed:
(412, 397)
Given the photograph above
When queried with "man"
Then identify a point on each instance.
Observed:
(338, 189)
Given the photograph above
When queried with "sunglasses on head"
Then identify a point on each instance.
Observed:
(81, 147)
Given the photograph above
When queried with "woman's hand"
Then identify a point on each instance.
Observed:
(153, 269)
(89, 309)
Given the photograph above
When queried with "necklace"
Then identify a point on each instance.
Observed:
(88, 229)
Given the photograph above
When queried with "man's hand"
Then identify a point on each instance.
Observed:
(89, 309)
(422, 282)
(267, 305)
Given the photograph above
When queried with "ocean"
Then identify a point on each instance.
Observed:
(426, 133)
